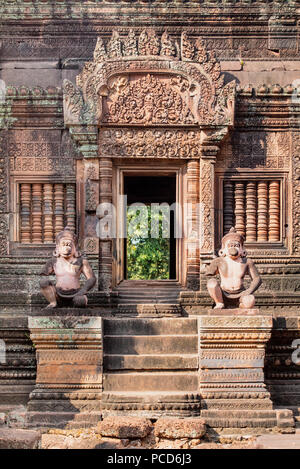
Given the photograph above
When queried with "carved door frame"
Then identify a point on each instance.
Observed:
(150, 82)
(120, 170)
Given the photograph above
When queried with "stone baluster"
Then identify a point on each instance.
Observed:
(239, 210)
(70, 207)
(48, 213)
(58, 207)
(274, 211)
(228, 206)
(25, 200)
(37, 213)
(251, 211)
(262, 211)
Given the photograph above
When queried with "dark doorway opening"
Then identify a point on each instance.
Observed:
(150, 257)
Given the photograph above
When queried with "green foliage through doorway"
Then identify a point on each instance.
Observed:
(147, 258)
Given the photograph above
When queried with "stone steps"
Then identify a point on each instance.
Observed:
(140, 292)
(150, 362)
(143, 344)
(151, 327)
(138, 356)
(148, 310)
(151, 381)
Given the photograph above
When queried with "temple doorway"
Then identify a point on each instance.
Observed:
(150, 251)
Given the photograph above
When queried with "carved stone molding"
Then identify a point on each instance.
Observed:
(69, 371)
(231, 373)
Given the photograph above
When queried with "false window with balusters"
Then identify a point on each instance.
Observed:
(255, 207)
(44, 209)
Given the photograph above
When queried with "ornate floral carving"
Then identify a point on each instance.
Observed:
(75, 109)
(187, 47)
(152, 143)
(4, 229)
(130, 45)
(114, 46)
(296, 190)
(3, 171)
(206, 201)
(148, 43)
(91, 195)
(167, 46)
(99, 52)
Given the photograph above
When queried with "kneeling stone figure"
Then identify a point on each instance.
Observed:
(68, 265)
(232, 265)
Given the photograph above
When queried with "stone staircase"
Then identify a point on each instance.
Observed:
(150, 367)
(145, 292)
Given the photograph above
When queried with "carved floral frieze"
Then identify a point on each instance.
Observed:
(149, 143)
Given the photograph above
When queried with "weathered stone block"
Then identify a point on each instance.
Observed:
(53, 442)
(173, 428)
(124, 427)
(19, 439)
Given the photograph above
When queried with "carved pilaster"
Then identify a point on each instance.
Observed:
(69, 371)
(105, 247)
(231, 373)
(296, 191)
(207, 214)
(192, 225)
(91, 185)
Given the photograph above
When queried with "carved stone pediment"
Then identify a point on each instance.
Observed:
(150, 80)
(149, 99)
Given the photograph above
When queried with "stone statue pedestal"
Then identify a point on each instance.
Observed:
(69, 371)
(234, 397)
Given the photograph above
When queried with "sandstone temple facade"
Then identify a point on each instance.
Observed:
(202, 98)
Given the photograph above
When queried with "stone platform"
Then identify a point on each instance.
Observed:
(209, 366)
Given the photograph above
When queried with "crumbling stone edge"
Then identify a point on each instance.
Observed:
(124, 432)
